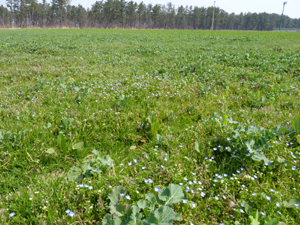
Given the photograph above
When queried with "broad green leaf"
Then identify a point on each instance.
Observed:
(96, 152)
(135, 218)
(85, 167)
(108, 220)
(238, 223)
(47, 126)
(151, 198)
(210, 168)
(198, 146)
(260, 157)
(117, 209)
(151, 220)
(271, 221)
(107, 160)
(127, 213)
(61, 142)
(296, 124)
(50, 150)
(74, 172)
(165, 215)
(254, 219)
(248, 208)
(142, 203)
(291, 203)
(171, 195)
(159, 139)
(78, 145)
(154, 127)
(281, 159)
(250, 145)
(152, 201)
(114, 196)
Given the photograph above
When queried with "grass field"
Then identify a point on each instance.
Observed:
(214, 113)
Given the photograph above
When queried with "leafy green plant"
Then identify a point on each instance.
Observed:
(12, 137)
(254, 138)
(91, 167)
(149, 211)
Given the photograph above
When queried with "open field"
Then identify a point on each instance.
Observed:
(83, 112)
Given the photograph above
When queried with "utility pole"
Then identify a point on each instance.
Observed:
(213, 17)
(282, 15)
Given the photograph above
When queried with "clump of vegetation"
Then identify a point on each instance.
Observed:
(197, 127)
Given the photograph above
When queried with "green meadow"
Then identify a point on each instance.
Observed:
(149, 127)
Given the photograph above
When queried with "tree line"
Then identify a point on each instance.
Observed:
(129, 14)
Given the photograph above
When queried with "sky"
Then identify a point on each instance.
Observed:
(292, 8)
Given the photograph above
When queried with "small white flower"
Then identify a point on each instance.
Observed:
(217, 198)
(242, 211)
(277, 204)
(184, 201)
(127, 197)
(12, 214)
(268, 197)
(156, 189)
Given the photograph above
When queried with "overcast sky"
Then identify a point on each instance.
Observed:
(292, 9)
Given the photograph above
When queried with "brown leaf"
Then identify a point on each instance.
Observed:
(231, 204)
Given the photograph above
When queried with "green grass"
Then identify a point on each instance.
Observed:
(127, 88)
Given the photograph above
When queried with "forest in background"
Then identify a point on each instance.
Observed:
(129, 14)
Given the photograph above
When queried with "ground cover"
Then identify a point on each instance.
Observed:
(149, 127)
